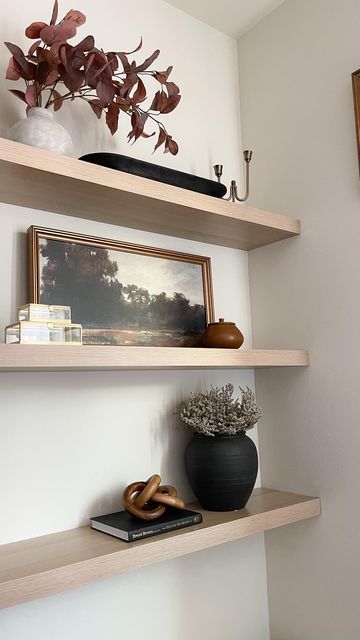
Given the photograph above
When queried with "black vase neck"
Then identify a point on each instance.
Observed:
(221, 435)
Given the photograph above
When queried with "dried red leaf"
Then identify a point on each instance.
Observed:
(88, 64)
(138, 121)
(58, 33)
(173, 147)
(147, 135)
(34, 47)
(18, 94)
(55, 48)
(63, 51)
(75, 16)
(162, 76)
(139, 94)
(105, 90)
(54, 12)
(112, 117)
(76, 80)
(124, 61)
(72, 81)
(86, 44)
(52, 77)
(13, 71)
(102, 69)
(42, 72)
(78, 60)
(114, 64)
(49, 56)
(123, 104)
(172, 88)
(161, 139)
(155, 105)
(142, 121)
(27, 69)
(128, 83)
(58, 101)
(136, 131)
(97, 107)
(148, 62)
(98, 60)
(33, 30)
(73, 61)
(128, 53)
(65, 31)
(47, 35)
(159, 102)
(171, 103)
(31, 95)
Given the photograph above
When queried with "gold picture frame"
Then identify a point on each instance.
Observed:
(356, 95)
(122, 293)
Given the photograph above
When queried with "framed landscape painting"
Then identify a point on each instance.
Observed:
(356, 95)
(122, 294)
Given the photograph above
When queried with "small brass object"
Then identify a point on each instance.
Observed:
(45, 313)
(42, 332)
(44, 324)
(233, 195)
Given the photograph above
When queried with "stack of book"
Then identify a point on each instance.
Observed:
(125, 526)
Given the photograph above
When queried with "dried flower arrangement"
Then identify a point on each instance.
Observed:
(108, 82)
(217, 412)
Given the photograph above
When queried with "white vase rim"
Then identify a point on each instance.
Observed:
(35, 112)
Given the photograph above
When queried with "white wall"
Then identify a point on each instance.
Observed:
(71, 442)
(297, 115)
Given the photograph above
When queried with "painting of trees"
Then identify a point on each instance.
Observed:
(113, 308)
(84, 278)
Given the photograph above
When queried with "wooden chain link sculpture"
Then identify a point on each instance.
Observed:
(148, 500)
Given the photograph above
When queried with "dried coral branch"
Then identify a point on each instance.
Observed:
(217, 412)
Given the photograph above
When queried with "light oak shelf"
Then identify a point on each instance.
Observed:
(40, 567)
(14, 357)
(40, 179)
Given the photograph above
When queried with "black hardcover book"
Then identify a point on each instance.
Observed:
(123, 525)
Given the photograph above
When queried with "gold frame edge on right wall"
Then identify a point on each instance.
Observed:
(356, 95)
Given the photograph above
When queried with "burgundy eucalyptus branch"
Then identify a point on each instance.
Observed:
(55, 71)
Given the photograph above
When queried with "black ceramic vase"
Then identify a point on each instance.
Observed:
(221, 470)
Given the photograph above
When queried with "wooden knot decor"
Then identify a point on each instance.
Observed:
(148, 500)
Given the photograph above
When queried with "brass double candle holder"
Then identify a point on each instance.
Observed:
(233, 195)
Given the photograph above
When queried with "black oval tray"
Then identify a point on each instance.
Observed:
(157, 172)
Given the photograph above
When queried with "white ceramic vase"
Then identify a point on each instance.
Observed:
(39, 129)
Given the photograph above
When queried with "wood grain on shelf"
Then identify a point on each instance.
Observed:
(39, 179)
(42, 566)
(15, 357)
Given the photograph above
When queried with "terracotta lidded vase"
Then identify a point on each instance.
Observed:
(222, 335)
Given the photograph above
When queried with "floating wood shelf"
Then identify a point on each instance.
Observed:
(40, 179)
(14, 357)
(40, 567)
